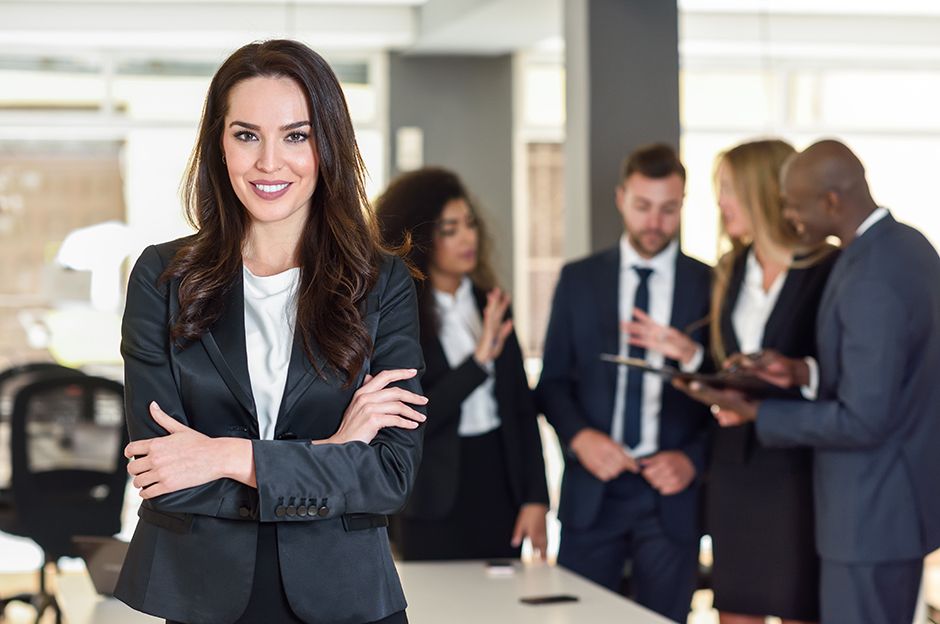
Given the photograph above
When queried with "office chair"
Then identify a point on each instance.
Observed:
(15, 377)
(63, 490)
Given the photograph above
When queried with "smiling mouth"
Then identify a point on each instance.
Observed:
(271, 188)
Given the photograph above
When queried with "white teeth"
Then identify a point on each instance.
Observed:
(271, 188)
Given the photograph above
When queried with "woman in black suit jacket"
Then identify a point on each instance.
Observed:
(271, 362)
(759, 500)
(481, 486)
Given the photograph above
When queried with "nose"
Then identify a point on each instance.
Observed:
(269, 159)
(656, 220)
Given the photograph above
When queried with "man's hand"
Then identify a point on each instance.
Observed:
(729, 407)
(669, 472)
(772, 367)
(601, 456)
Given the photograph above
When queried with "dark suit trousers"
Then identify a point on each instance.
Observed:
(876, 593)
(628, 528)
(268, 602)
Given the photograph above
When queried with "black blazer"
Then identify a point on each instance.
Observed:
(435, 488)
(791, 330)
(192, 558)
(577, 389)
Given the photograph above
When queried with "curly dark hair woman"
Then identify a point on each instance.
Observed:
(482, 446)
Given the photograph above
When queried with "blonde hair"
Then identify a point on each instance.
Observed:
(755, 168)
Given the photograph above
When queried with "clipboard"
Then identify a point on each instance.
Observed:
(751, 385)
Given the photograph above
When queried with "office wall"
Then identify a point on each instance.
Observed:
(463, 106)
(622, 92)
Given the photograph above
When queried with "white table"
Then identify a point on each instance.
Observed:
(455, 593)
(464, 593)
(81, 604)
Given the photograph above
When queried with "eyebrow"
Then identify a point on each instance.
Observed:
(290, 126)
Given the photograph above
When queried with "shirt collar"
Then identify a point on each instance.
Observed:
(663, 263)
(876, 216)
(446, 301)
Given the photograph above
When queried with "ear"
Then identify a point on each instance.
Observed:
(619, 193)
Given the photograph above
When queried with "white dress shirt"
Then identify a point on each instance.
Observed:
(460, 329)
(270, 316)
(660, 282)
(752, 310)
(877, 215)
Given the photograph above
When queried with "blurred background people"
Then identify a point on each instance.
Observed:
(873, 429)
(481, 486)
(634, 447)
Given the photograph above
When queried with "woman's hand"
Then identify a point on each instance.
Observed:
(375, 406)
(495, 329)
(531, 523)
(185, 458)
(644, 332)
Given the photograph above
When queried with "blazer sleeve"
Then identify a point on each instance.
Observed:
(354, 477)
(447, 391)
(872, 362)
(148, 376)
(556, 388)
(533, 461)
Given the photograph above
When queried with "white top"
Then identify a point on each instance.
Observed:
(754, 305)
(460, 330)
(660, 283)
(752, 311)
(270, 316)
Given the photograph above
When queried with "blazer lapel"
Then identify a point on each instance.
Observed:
(735, 283)
(225, 344)
(300, 374)
(790, 293)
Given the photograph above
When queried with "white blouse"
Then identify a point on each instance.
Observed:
(460, 328)
(270, 316)
(754, 305)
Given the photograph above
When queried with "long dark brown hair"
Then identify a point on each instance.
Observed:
(409, 211)
(339, 250)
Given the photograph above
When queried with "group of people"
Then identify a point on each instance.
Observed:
(303, 368)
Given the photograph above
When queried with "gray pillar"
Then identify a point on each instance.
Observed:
(622, 59)
(463, 106)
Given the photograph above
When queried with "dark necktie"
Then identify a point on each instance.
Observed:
(634, 400)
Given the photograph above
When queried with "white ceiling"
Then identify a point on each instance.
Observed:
(860, 31)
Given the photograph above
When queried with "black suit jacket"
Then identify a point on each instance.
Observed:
(435, 488)
(791, 330)
(577, 389)
(192, 557)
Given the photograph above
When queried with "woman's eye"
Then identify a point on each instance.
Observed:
(246, 136)
(296, 137)
(449, 231)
